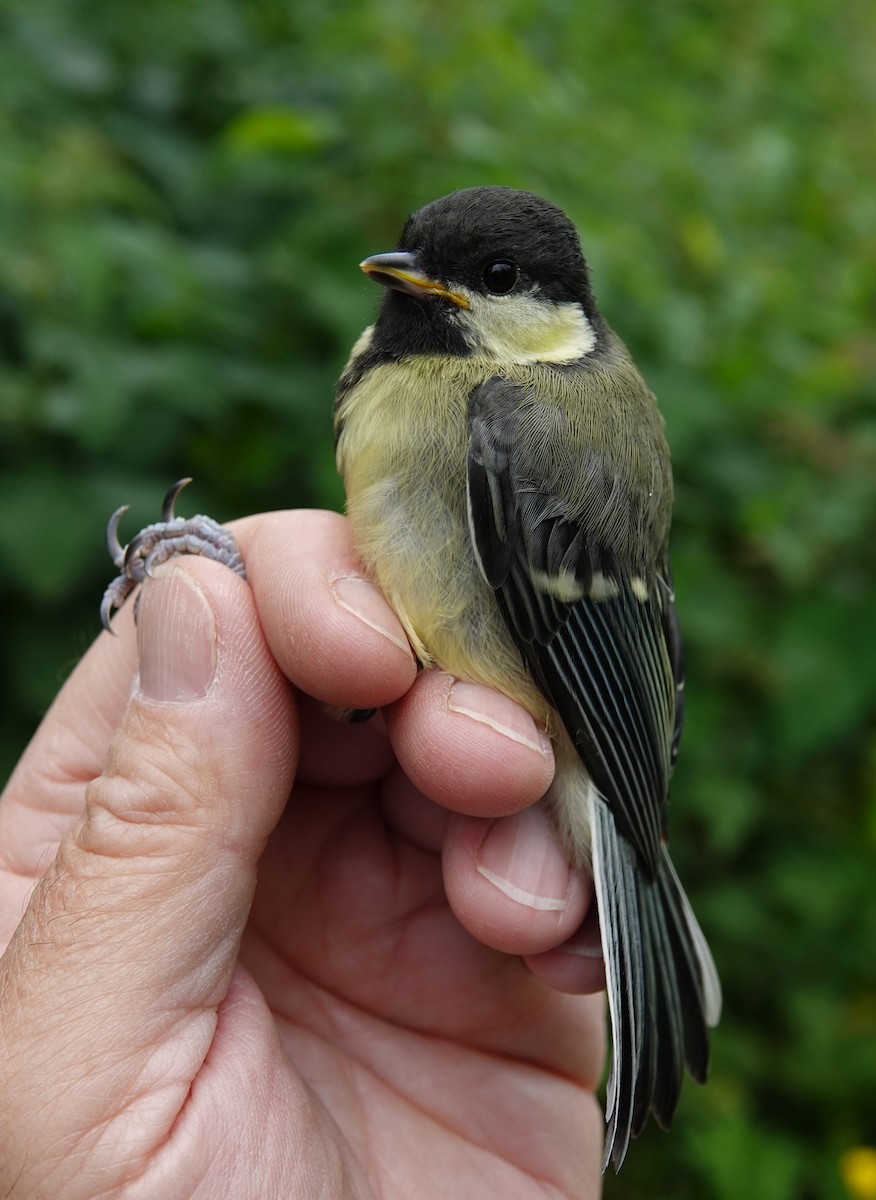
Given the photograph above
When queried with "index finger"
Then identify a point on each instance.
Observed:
(329, 628)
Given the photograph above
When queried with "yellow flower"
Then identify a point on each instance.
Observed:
(858, 1169)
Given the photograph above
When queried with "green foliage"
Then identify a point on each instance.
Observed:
(184, 196)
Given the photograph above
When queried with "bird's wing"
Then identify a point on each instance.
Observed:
(598, 634)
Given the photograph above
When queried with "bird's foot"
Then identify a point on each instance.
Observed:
(157, 543)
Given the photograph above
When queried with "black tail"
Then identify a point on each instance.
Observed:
(663, 989)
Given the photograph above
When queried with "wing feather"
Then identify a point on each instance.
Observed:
(598, 631)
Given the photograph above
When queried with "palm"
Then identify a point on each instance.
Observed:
(431, 1057)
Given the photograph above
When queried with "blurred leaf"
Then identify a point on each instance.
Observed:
(281, 130)
(738, 1159)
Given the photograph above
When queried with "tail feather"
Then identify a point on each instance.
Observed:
(711, 982)
(663, 989)
(659, 1094)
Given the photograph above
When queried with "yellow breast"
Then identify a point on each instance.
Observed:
(402, 452)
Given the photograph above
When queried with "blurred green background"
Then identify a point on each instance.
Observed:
(186, 187)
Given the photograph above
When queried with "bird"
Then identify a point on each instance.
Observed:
(509, 486)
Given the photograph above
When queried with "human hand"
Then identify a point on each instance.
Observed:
(226, 986)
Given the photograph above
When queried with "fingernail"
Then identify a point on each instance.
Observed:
(176, 638)
(521, 857)
(361, 598)
(501, 714)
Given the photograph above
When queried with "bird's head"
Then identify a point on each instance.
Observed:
(487, 271)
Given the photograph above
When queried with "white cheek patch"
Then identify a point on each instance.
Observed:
(525, 328)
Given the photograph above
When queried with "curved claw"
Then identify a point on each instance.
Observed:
(106, 615)
(149, 561)
(113, 598)
(169, 502)
(159, 543)
(116, 550)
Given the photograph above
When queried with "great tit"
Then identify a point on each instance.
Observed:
(510, 491)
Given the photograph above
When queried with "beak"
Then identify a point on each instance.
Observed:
(400, 270)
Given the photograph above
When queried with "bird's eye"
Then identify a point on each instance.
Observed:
(500, 277)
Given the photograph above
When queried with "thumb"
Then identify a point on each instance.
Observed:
(110, 985)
